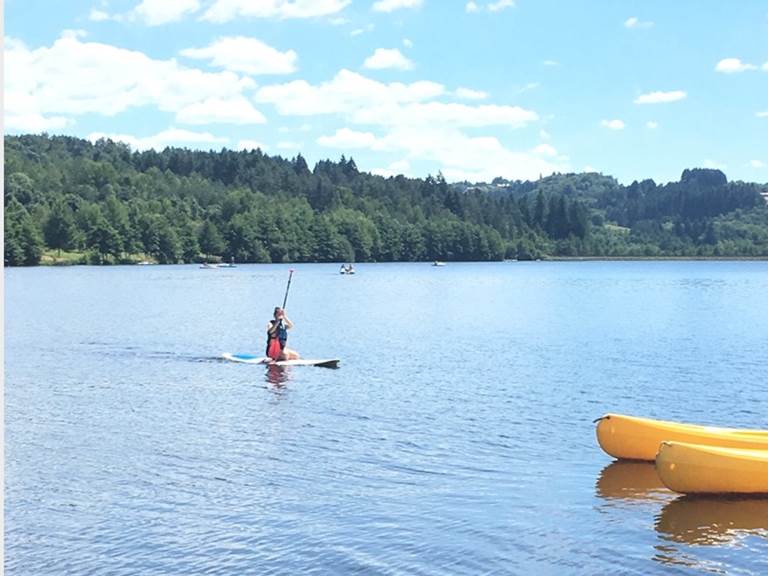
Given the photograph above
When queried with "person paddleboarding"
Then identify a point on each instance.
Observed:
(277, 337)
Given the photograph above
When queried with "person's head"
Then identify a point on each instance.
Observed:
(279, 312)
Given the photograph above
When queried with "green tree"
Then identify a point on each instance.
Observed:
(211, 240)
(31, 241)
(539, 211)
(188, 242)
(60, 229)
(20, 187)
(23, 239)
(169, 248)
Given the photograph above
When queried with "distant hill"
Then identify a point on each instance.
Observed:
(67, 199)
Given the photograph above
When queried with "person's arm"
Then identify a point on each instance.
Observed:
(288, 323)
(271, 327)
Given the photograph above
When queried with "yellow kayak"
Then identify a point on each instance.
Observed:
(696, 469)
(635, 438)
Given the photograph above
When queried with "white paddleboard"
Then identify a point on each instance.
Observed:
(253, 359)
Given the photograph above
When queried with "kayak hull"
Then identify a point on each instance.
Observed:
(696, 469)
(265, 360)
(633, 438)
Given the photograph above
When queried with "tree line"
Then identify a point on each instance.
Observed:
(109, 204)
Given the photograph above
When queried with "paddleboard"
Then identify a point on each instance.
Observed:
(254, 359)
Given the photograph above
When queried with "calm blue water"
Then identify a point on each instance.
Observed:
(456, 438)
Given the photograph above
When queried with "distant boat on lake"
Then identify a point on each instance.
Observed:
(230, 265)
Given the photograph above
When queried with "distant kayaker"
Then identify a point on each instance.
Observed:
(277, 336)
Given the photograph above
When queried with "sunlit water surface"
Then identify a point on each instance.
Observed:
(456, 438)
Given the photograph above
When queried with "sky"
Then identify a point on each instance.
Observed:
(474, 89)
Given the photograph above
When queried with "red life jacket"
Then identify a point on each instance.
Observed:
(276, 340)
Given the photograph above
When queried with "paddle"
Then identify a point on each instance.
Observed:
(290, 274)
(274, 350)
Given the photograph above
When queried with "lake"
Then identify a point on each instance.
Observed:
(457, 436)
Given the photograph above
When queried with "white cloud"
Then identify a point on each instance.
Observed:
(385, 58)
(480, 158)
(613, 124)
(589, 168)
(347, 139)
(635, 22)
(289, 145)
(250, 145)
(407, 43)
(289, 130)
(715, 165)
(544, 135)
(392, 5)
(34, 122)
(170, 137)
(460, 157)
(359, 31)
(237, 110)
(500, 5)
(762, 114)
(451, 114)
(470, 94)
(528, 87)
(227, 10)
(652, 124)
(733, 66)
(247, 55)
(157, 12)
(551, 63)
(497, 6)
(365, 101)
(409, 120)
(661, 97)
(98, 15)
(545, 150)
(73, 33)
(756, 164)
(395, 169)
(72, 77)
(346, 93)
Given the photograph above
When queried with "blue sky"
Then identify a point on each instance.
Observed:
(475, 89)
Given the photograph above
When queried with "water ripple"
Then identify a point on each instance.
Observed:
(457, 437)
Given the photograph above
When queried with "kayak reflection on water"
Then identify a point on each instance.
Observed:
(682, 523)
(630, 481)
(712, 520)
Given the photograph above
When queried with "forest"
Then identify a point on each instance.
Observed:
(69, 200)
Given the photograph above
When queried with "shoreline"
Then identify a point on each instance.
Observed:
(65, 264)
(652, 258)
